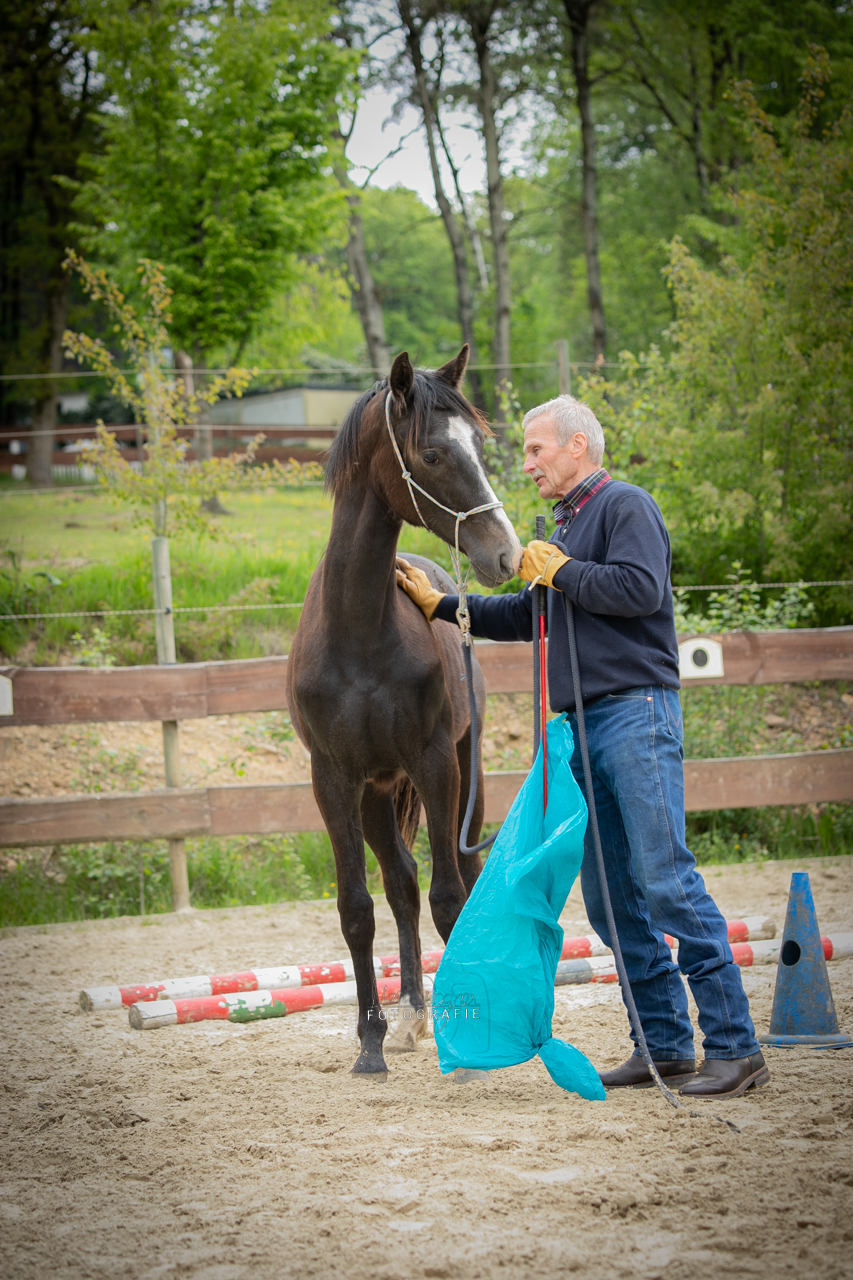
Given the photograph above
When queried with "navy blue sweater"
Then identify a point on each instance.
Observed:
(618, 580)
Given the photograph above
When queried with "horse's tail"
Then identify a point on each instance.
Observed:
(407, 804)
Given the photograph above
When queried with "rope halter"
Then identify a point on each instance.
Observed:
(462, 616)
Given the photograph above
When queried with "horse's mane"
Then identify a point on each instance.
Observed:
(430, 392)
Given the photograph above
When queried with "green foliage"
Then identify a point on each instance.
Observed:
(23, 592)
(413, 270)
(743, 432)
(165, 493)
(310, 325)
(200, 576)
(751, 835)
(86, 882)
(93, 651)
(644, 197)
(217, 152)
(49, 101)
(744, 609)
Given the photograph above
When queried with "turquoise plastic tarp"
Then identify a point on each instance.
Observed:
(493, 998)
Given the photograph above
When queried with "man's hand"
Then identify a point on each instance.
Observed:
(540, 562)
(417, 585)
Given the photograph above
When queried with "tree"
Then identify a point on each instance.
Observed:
(744, 431)
(362, 284)
(680, 59)
(413, 272)
(164, 494)
(479, 17)
(49, 97)
(219, 137)
(427, 97)
(579, 15)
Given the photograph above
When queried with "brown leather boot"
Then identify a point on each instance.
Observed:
(728, 1077)
(634, 1074)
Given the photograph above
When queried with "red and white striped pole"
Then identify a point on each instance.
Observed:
(600, 968)
(250, 1006)
(218, 984)
(253, 1006)
(306, 975)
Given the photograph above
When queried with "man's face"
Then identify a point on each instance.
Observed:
(554, 468)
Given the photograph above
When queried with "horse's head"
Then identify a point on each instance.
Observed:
(440, 437)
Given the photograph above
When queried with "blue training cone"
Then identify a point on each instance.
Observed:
(803, 1009)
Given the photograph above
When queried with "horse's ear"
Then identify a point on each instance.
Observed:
(454, 371)
(401, 377)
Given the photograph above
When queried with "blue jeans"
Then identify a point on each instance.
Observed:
(635, 747)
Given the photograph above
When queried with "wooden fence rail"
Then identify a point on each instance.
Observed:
(72, 695)
(808, 777)
(189, 691)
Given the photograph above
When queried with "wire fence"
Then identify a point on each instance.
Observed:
(355, 370)
(297, 604)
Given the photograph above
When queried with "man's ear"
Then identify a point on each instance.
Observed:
(401, 377)
(454, 371)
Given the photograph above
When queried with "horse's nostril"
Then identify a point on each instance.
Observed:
(506, 564)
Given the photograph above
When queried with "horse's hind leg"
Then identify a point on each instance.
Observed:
(435, 774)
(400, 877)
(470, 865)
(339, 802)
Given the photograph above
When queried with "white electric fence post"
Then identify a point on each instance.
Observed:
(164, 623)
(164, 630)
(564, 369)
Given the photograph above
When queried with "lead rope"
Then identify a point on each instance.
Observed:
(627, 993)
(462, 616)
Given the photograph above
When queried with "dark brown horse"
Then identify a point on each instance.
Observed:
(376, 693)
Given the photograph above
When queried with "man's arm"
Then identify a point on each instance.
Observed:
(492, 617)
(632, 581)
(506, 617)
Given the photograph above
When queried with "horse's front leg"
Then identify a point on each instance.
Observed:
(339, 800)
(436, 779)
(400, 878)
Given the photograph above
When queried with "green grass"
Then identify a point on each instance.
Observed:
(271, 544)
(62, 528)
(730, 720)
(95, 881)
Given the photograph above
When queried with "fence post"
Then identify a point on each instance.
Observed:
(164, 626)
(563, 367)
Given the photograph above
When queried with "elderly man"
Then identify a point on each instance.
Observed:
(611, 555)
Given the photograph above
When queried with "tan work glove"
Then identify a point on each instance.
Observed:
(417, 585)
(540, 562)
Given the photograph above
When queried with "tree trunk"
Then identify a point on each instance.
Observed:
(364, 289)
(497, 222)
(40, 455)
(698, 141)
(578, 13)
(455, 235)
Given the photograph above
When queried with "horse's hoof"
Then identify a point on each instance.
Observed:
(408, 1029)
(378, 1077)
(370, 1065)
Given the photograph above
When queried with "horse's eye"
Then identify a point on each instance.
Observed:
(431, 457)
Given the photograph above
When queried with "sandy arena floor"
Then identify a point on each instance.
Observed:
(222, 1151)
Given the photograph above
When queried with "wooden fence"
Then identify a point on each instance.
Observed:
(73, 695)
(300, 443)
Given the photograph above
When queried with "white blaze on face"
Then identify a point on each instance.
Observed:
(465, 435)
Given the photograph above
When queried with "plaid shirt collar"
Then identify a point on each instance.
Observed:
(567, 508)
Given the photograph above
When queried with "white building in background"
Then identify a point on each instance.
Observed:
(294, 407)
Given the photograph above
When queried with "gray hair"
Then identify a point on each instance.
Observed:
(570, 417)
